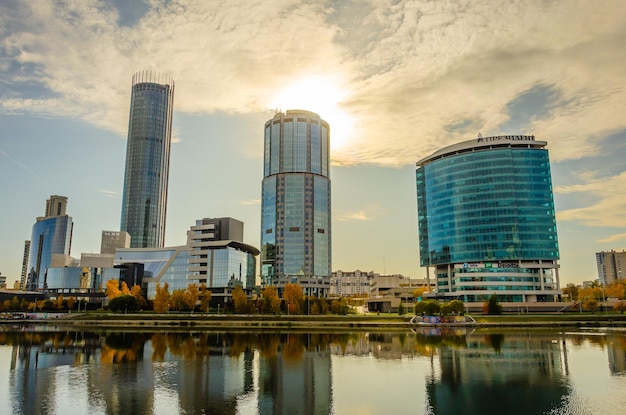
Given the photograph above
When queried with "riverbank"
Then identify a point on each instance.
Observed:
(328, 322)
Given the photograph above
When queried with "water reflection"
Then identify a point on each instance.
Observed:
(290, 372)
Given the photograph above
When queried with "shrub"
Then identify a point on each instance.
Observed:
(125, 303)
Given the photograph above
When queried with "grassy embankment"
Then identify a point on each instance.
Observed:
(148, 320)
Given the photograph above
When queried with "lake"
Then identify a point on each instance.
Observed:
(56, 370)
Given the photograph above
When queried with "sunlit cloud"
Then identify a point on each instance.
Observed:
(390, 76)
(362, 216)
(614, 238)
(609, 206)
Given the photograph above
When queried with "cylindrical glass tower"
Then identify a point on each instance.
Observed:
(144, 202)
(486, 220)
(296, 216)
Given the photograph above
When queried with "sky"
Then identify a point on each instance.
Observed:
(395, 79)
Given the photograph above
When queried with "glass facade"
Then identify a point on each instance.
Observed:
(147, 160)
(295, 212)
(50, 235)
(486, 217)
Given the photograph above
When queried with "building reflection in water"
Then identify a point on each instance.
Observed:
(288, 372)
(482, 373)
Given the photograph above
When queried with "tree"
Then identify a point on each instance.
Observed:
(492, 306)
(428, 307)
(419, 292)
(125, 290)
(270, 303)
(457, 307)
(240, 300)
(161, 299)
(571, 290)
(178, 301)
(71, 302)
(400, 309)
(59, 303)
(620, 306)
(191, 296)
(616, 289)
(112, 289)
(205, 298)
(137, 293)
(294, 298)
(125, 303)
(590, 304)
(339, 306)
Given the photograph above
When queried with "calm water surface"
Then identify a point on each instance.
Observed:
(61, 371)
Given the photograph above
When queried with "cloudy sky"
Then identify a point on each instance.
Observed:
(396, 79)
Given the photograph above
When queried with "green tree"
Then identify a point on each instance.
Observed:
(492, 306)
(428, 307)
(401, 309)
(240, 300)
(457, 307)
(124, 303)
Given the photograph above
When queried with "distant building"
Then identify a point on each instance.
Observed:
(344, 284)
(221, 264)
(3, 282)
(296, 204)
(111, 240)
(486, 220)
(387, 292)
(51, 237)
(24, 273)
(144, 200)
(611, 266)
(220, 241)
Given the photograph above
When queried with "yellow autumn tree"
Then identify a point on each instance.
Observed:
(112, 289)
(240, 300)
(270, 304)
(205, 298)
(125, 290)
(191, 296)
(161, 299)
(294, 298)
(136, 292)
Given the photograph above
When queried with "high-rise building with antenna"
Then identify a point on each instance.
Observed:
(144, 202)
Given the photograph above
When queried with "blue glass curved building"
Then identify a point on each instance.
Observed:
(486, 220)
(295, 212)
(51, 236)
(144, 199)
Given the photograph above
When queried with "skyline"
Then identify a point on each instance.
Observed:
(396, 81)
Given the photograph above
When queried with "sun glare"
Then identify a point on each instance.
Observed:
(322, 96)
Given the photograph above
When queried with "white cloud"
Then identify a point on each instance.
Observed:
(360, 215)
(110, 193)
(250, 202)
